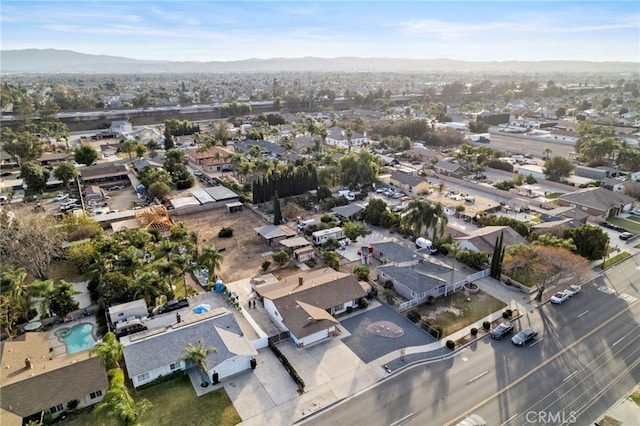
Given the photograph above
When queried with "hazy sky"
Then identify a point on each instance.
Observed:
(231, 30)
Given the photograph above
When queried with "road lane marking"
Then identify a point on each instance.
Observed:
(402, 420)
(584, 313)
(539, 367)
(627, 297)
(623, 337)
(478, 376)
(621, 290)
(509, 419)
(570, 376)
(536, 342)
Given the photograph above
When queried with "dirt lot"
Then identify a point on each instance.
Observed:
(243, 253)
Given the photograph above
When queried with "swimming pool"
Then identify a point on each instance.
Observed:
(77, 338)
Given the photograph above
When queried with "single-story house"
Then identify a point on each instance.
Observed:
(420, 279)
(303, 254)
(93, 193)
(266, 147)
(597, 202)
(295, 243)
(274, 234)
(390, 252)
(448, 168)
(337, 136)
(54, 158)
(304, 305)
(110, 149)
(484, 239)
(214, 159)
(34, 381)
(158, 352)
(410, 183)
(143, 163)
(104, 173)
(349, 212)
(127, 311)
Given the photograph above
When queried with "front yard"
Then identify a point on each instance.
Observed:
(174, 404)
(459, 310)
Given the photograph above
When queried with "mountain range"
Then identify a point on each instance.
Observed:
(50, 61)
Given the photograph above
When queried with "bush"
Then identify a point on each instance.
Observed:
(362, 272)
(425, 324)
(436, 332)
(265, 265)
(162, 379)
(363, 303)
(474, 331)
(388, 284)
(430, 300)
(451, 344)
(507, 314)
(73, 404)
(388, 296)
(349, 309)
(287, 365)
(414, 315)
(486, 325)
(226, 232)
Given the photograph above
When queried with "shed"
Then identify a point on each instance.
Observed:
(234, 207)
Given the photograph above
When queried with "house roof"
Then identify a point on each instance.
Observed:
(269, 232)
(156, 348)
(210, 153)
(394, 252)
(340, 134)
(348, 211)
(52, 380)
(264, 146)
(408, 179)
(597, 198)
(103, 170)
(220, 193)
(145, 162)
(55, 156)
(302, 305)
(485, 238)
(448, 166)
(7, 418)
(295, 242)
(421, 277)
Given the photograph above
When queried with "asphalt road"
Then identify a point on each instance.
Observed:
(585, 358)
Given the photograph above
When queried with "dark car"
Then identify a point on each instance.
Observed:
(173, 305)
(524, 337)
(502, 330)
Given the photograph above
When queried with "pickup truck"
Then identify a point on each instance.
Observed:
(173, 305)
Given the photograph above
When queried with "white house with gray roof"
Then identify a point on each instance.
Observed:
(158, 352)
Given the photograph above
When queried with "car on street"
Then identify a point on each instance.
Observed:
(572, 290)
(625, 236)
(60, 197)
(5, 174)
(559, 298)
(197, 173)
(502, 330)
(524, 337)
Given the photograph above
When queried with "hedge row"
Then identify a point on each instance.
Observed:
(287, 365)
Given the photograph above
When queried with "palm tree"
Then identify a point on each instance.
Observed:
(421, 214)
(43, 290)
(196, 355)
(119, 404)
(212, 260)
(546, 153)
(109, 350)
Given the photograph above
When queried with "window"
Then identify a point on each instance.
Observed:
(57, 409)
(143, 376)
(174, 366)
(338, 308)
(96, 394)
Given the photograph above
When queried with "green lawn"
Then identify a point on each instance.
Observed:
(616, 259)
(625, 223)
(464, 312)
(175, 404)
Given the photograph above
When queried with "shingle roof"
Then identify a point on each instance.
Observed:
(269, 232)
(103, 170)
(348, 211)
(394, 252)
(448, 166)
(264, 145)
(421, 277)
(485, 238)
(410, 180)
(166, 347)
(597, 198)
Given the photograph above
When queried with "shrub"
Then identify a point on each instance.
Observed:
(486, 325)
(507, 314)
(265, 265)
(388, 296)
(474, 331)
(226, 232)
(363, 303)
(451, 344)
(162, 379)
(430, 300)
(349, 309)
(425, 324)
(436, 331)
(73, 404)
(414, 315)
(388, 284)
(287, 365)
(362, 272)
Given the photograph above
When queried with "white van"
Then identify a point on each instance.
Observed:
(304, 223)
(423, 243)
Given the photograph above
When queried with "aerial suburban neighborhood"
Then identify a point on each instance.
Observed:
(319, 241)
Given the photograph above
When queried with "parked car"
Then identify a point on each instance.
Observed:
(5, 174)
(60, 196)
(635, 212)
(173, 305)
(197, 173)
(115, 187)
(524, 337)
(559, 298)
(625, 236)
(572, 290)
(502, 330)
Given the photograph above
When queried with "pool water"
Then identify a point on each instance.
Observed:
(77, 338)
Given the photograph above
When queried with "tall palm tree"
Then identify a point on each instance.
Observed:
(212, 260)
(546, 153)
(109, 350)
(42, 291)
(119, 404)
(196, 354)
(422, 215)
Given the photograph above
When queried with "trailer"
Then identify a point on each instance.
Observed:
(480, 137)
(320, 237)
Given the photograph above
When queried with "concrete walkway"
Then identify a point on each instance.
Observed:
(626, 411)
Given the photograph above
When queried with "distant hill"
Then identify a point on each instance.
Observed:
(50, 61)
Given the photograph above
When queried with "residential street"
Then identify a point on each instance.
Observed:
(584, 359)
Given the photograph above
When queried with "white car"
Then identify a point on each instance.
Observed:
(61, 197)
(572, 290)
(559, 298)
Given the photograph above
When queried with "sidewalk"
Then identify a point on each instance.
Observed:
(625, 411)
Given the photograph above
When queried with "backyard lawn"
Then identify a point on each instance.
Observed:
(454, 312)
(175, 403)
